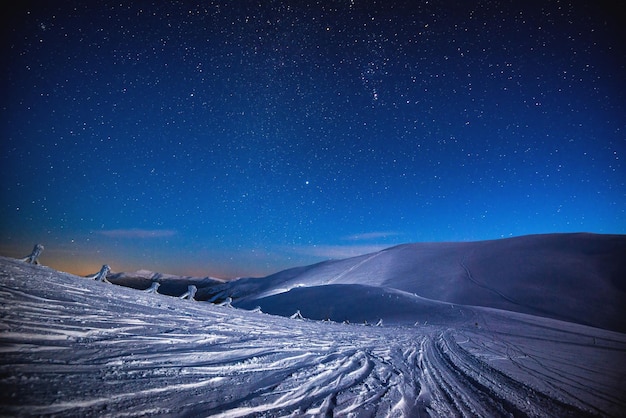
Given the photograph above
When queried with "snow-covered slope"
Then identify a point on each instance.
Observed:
(70, 346)
(573, 277)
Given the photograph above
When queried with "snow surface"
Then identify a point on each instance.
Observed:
(70, 346)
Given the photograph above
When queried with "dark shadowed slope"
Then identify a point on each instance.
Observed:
(574, 277)
(168, 284)
(356, 303)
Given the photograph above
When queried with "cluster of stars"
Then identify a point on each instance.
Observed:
(248, 125)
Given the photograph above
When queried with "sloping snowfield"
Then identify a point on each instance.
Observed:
(76, 347)
(578, 278)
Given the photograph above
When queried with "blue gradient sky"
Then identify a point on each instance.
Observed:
(237, 139)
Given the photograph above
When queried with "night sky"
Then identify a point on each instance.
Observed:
(239, 138)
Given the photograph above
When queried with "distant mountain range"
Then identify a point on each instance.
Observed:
(579, 278)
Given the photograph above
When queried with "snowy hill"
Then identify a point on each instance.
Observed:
(574, 277)
(71, 346)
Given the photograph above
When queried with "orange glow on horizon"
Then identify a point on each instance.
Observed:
(85, 262)
(84, 267)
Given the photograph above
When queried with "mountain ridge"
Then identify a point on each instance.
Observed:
(576, 277)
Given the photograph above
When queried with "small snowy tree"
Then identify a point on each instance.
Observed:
(297, 315)
(33, 257)
(190, 293)
(154, 288)
(227, 303)
(101, 276)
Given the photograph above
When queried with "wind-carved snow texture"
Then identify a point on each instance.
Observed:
(76, 347)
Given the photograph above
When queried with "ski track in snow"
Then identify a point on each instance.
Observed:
(75, 347)
(353, 267)
(334, 279)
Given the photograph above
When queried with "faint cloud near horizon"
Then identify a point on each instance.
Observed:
(356, 245)
(371, 235)
(138, 233)
(336, 252)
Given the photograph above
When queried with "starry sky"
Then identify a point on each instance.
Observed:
(240, 138)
